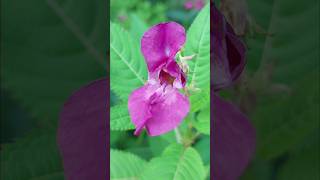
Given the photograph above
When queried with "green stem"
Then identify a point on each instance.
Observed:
(178, 135)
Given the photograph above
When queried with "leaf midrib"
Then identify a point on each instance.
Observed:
(127, 63)
(198, 48)
(179, 163)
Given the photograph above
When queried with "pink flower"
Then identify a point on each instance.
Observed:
(188, 5)
(197, 4)
(158, 106)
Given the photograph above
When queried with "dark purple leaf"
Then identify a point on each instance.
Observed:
(82, 133)
(234, 140)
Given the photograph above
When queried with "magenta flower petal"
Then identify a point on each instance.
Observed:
(176, 75)
(234, 140)
(161, 43)
(82, 138)
(157, 111)
(138, 105)
(228, 52)
(168, 114)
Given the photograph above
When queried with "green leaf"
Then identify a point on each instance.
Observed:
(119, 118)
(202, 124)
(198, 44)
(124, 165)
(33, 156)
(176, 163)
(127, 70)
(158, 144)
(203, 147)
(199, 99)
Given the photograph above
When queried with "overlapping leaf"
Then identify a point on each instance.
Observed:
(119, 118)
(199, 99)
(202, 123)
(124, 165)
(176, 163)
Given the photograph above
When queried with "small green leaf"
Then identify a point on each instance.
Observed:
(203, 147)
(158, 144)
(198, 44)
(176, 163)
(119, 118)
(202, 124)
(127, 70)
(199, 99)
(124, 165)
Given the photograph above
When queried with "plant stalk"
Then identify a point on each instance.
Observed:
(178, 135)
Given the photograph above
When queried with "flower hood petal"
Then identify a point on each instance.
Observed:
(161, 43)
(228, 52)
(234, 140)
(82, 136)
